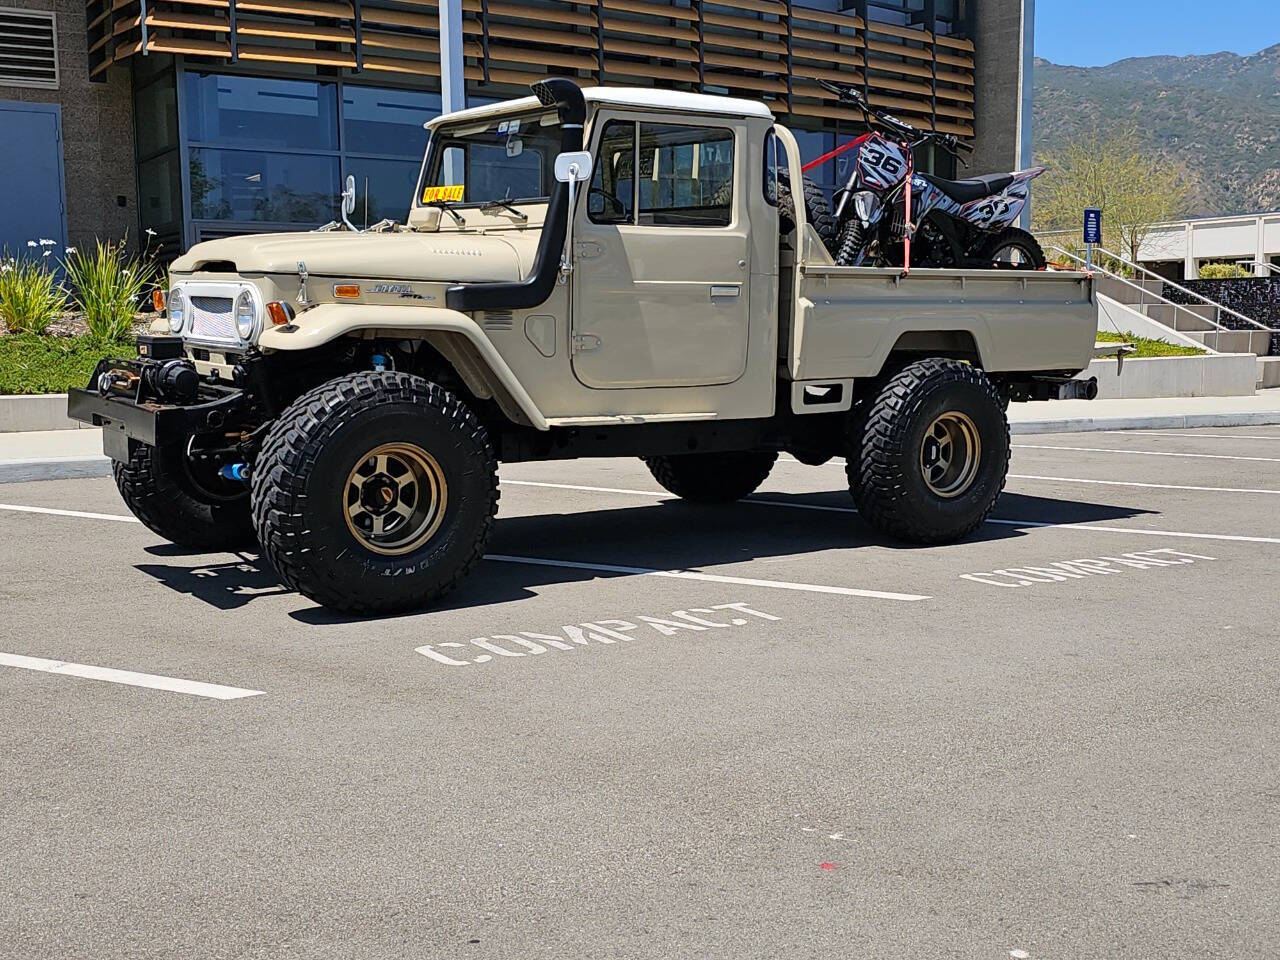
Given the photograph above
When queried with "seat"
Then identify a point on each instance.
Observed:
(966, 191)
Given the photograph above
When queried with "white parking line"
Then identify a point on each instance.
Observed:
(1144, 453)
(86, 671)
(18, 508)
(1134, 483)
(708, 577)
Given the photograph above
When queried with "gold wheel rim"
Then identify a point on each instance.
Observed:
(395, 498)
(950, 454)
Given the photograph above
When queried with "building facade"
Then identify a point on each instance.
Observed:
(1178, 250)
(188, 119)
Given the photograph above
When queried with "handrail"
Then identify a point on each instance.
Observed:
(1191, 293)
(1263, 263)
(1164, 302)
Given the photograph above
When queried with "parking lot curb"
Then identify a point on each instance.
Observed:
(1172, 421)
(54, 468)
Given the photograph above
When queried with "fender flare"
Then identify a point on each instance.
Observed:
(458, 338)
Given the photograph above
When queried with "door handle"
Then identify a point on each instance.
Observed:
(725, 290)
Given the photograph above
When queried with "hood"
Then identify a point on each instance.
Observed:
(458, 257)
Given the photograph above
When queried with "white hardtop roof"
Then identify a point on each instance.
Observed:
(635, 97)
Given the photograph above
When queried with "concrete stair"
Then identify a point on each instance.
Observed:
(1182, 318)
(1234, 341)
(1268, 372)
(1124, 293)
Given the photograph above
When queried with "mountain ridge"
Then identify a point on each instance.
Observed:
(1216, 115)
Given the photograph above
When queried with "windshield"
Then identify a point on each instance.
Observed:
(504, 158)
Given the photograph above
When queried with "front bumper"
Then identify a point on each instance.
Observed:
(137, 418)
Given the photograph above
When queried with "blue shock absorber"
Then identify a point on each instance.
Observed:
(379, 362)
(235, 471)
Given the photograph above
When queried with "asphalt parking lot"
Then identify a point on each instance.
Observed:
(645, 729)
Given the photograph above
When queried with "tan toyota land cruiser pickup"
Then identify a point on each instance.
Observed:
(583, 273)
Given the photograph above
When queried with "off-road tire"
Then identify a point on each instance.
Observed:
(884, 451)
(299, 483)
(816, 211)
(712, 477)
(850, 243)
(154, 488)
(1030, 246)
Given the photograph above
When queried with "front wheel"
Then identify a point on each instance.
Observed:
(712, 477)
(184, 501)
(927, 458)
(375, 493)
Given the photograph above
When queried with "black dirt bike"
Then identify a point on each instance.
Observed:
(953, 223)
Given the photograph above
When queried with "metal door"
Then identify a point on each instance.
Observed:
(32, 197)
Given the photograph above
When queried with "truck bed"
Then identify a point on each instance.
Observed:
(844, 321)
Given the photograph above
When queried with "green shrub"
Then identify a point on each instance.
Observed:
(1223, 271)
(1148, 347)
(105, 286)
(35, 364)
(30, 295)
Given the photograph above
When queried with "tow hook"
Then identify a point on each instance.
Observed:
(234, 471)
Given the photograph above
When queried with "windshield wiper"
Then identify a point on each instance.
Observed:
(493, 205)
(444, 205)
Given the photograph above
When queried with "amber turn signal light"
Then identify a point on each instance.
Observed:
(346, 291)
(279, 312)
(157, 300)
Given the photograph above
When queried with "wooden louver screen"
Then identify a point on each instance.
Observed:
(773, 50)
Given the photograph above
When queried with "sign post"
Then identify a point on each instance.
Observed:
(1092, 233)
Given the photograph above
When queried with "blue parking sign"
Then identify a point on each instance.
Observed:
(1092, 225)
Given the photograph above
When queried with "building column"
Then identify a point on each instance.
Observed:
(1004, 52)
(1189, 269)
(453, 84)
(1026, 109)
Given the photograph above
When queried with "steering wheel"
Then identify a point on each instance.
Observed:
(609, 199)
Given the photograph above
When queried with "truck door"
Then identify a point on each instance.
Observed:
(660, 285)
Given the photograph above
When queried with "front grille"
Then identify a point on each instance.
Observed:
(212, 319)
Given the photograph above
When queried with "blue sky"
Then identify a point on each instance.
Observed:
(1092, 34)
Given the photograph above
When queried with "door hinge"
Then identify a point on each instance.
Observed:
(586, 342)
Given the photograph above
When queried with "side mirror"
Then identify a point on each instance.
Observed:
(349, 202)
(571, 168)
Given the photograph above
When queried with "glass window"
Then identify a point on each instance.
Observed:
(611, 198)
(261, 112)
(247, 185)
(387, 186)
(156, 116)
(386, 122)
(159, 190)
(511, 158)
(685, 175)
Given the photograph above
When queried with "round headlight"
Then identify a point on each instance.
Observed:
(246, 315)
(177, 306)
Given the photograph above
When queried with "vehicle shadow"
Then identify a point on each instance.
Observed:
(667, 535)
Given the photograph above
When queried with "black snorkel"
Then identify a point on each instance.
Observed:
(566, 97)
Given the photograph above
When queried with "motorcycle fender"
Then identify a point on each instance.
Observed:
(456, 335)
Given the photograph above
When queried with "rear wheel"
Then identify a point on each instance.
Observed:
(183, 501)
(712, 477)
(927, 457)
(375, 493)
(1013, 249)
(816, 210)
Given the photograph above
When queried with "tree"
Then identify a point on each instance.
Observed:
(1135, 191)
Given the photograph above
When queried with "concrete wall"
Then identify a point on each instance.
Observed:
(1219, 375)
(1001, 56)
(97, 132)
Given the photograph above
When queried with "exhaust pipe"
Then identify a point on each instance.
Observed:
(1079, 389)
